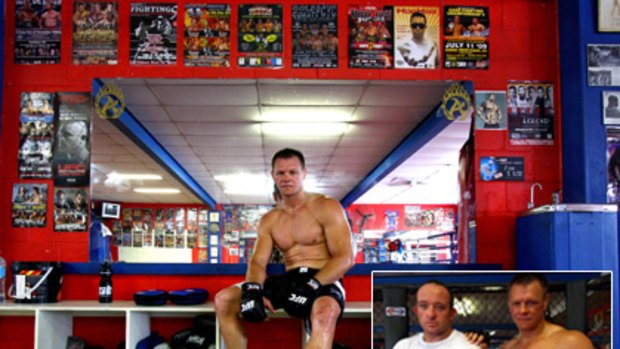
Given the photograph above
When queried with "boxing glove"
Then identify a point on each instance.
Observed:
(301, 297)
(252, 305)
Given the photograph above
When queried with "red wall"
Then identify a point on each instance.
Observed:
(523, 46)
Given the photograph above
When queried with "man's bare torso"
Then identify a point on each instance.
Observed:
(522, 343)
(299, 234)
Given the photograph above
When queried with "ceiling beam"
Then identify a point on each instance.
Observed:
(433, 124)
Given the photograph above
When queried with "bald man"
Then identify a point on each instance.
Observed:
(435, 311)
(527, 300)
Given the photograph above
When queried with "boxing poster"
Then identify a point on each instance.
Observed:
(37, 31)
(29, 205)
(70, 209)
(260, 36)
(153, 33)
(466, 37)
(491, 110)
(36, 135)
(416, 37)
(315, 36)
(371, 38)
(72, 147)
(603, 65)
(531, 112)
(206, 41)
(501, 168)
(95, 32)
(613, 165)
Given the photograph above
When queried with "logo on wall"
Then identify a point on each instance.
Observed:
(456, 103)
(110, 101)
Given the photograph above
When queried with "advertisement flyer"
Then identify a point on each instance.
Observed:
(153, 33)
(315, 36)
(260, 41)
(206, 42)
(37, 32)
(416, 37)
(530, 112)
(501, 168)
(72, 147)
(371, 38)
(70, 209)
(466, 37)
(29, 205)
(36, 135)
(95, 32)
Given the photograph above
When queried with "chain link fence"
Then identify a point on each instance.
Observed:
(483, 308)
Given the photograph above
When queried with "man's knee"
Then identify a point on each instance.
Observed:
(325, 311)
(227, 300)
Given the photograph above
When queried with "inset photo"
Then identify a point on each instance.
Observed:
(480, 309)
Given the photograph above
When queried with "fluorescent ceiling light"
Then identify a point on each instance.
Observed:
(318, 129)
(298, 114)
(157, 190)
(135, 176)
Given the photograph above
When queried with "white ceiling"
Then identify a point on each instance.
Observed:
(213, 128)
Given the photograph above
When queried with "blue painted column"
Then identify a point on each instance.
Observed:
(584, 144)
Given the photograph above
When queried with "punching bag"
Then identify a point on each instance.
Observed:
(395, 314)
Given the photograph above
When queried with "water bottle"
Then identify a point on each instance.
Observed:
(105, 283)
(2, 280)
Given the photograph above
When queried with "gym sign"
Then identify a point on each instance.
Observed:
(110, 101)
(456, 103)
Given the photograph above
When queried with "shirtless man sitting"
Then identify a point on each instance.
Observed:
(313, 235)
(527, 301)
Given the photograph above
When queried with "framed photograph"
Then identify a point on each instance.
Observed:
(603, 65)
(110, 210)
(611, 107)
(609, 15)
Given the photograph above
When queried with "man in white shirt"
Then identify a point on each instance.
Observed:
(435, 311)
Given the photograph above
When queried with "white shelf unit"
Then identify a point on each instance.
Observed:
(54, 321)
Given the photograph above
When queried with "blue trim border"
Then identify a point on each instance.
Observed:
(240, 269)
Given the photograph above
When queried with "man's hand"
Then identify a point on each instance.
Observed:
(476, 338)
(252, 305)
(301, 297)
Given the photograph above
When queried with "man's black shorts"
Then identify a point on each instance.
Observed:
(276, 288)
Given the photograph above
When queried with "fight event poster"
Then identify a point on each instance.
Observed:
(72, 146)
(29, 205)
(37, 32)
(260, 41)
(315, 36)
(206, 42)
(95, 32)
(36, 135)
(371, 40)
(153, 33)
(466, 37)
(416, 37)
(70, 209)
(530, 113)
